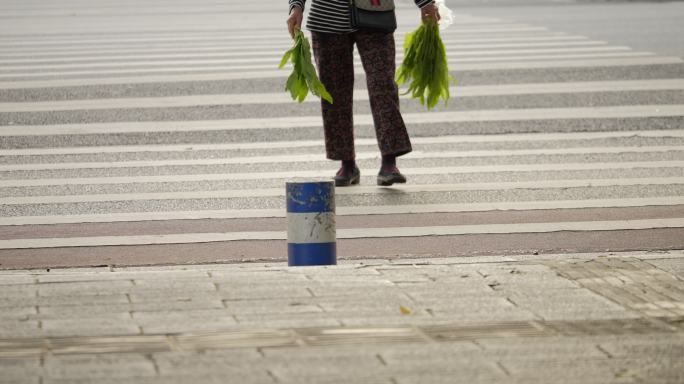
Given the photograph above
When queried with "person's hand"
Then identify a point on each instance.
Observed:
(294, 22)
(430, 11)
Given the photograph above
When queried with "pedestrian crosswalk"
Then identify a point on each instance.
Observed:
(185, 134)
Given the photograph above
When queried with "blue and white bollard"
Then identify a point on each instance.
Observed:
(311, 236)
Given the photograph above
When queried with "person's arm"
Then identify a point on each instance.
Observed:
(294, 22)
(428, 8)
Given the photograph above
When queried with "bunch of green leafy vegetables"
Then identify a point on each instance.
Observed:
(303, 78)
(425, 65)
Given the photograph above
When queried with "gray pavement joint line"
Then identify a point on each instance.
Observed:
(60, 83)
(499, 138)
(308, 158)
(330, 336)
(358, 191)
(365, 233)
(281, 98)
(290, 122)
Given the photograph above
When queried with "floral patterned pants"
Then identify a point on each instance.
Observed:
(335, 61)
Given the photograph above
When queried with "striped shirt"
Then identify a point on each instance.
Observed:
(332, 16)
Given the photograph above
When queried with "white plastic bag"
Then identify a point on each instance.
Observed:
(445, 14)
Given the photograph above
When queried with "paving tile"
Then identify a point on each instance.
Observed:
(283, 321)
(190, 285)
(171, 295)
(95, 367)
(570, 304)
(475, 315)
(12, 329)
(238, 277)
(203, 378)
(453, 260)
(540, 348)
(98, 310)
(674, 266)
(473, 292)
(362, 263)
(580, 313)
(375, 320)
(329, 351)
(652, 345)
(82, 277)
(242, 362)
(323, 290)
(388, 304)
(447, 351)
(19, 291)
(588, 369)
(20, 370)
(24, 380)
(16, 279)
(85, 288)
(230, 292)
(324, 367)
(17, 312)
(459, 369)
(272, 306)
(464, 376)
(78, 300)
(108, 325)
(466, 303)
(174, 268)
(185, 321)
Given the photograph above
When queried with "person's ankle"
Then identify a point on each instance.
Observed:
(349, 165)
(389, 163)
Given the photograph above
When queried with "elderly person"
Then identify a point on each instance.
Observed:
(333, 40)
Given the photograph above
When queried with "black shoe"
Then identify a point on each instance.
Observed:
(387, 177)
(344, 178)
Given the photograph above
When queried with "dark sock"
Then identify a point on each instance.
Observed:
(349, 165)
(389, 162)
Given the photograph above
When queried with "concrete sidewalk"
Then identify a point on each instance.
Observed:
(588, 318)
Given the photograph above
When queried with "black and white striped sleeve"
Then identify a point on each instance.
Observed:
(297, 3)
(419, 3)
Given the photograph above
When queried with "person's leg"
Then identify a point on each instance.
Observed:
(377, 52)
(335, 62)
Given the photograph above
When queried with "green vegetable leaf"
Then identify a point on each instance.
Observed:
(425, 66)
(285, 59)
(303, 78)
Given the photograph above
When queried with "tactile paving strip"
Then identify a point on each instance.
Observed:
(630, 282)
(331, 336)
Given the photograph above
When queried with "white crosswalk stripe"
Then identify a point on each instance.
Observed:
(79, 147)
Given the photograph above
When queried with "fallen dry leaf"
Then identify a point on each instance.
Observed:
(404, 310)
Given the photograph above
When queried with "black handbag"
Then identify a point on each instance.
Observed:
(373, 14)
